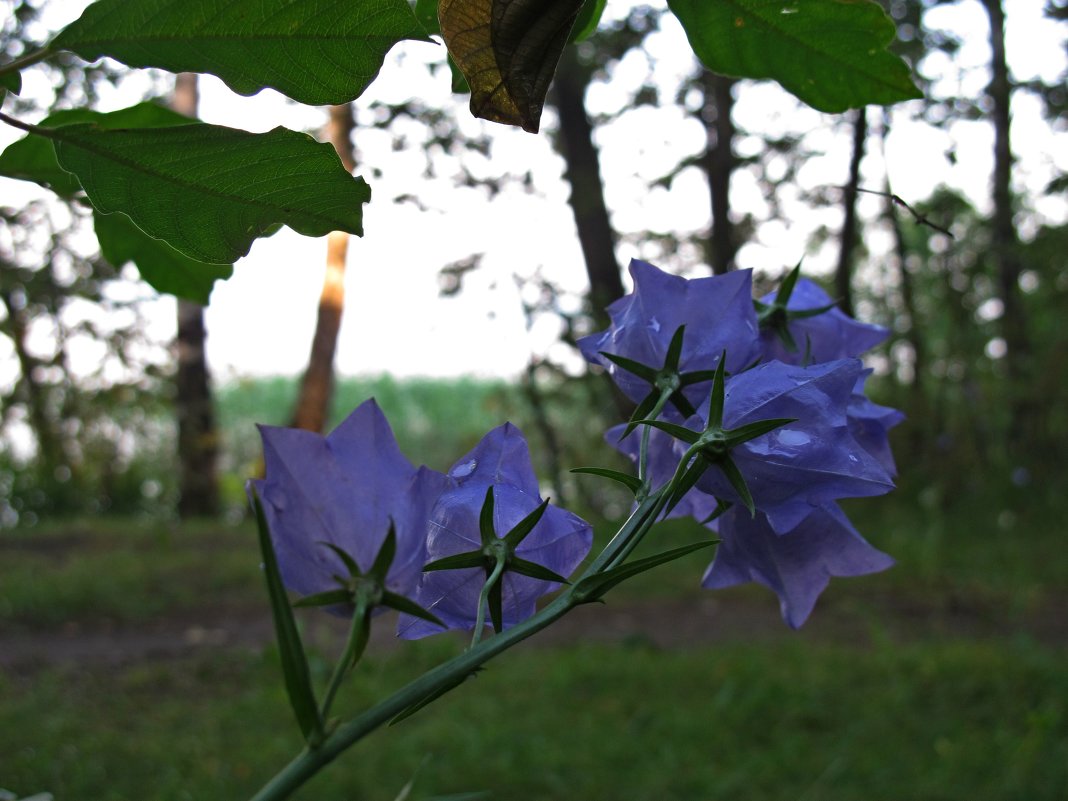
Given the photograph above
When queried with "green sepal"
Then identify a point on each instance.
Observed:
(677, 431)
(640, 413)
(485, 520)
(361, 634)
(457, 561)
(801, 314)
(734, 475)
(786, 288)
(533, 570)
(384, 558)
(431, 697)
(721, 507)
(715, 400)
(674, 351)
(350, 563)
(593, 588)
(696, 377)
(633, 483)
(290, 648)
(328, 598)
(409, 607)
(521, 529)
(631, 366)
(736, 436)
(495, 604)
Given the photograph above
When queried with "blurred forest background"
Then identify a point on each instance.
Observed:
(976, 358)
(130, 462)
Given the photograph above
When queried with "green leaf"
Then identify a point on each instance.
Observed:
(32, 158)
(11, 82)
(317, 52)
(426, 11)
(592, 588)
(633, 483)
(167, 270)
(290, 648)
(588, 18)
(209, 191)
(831, 54)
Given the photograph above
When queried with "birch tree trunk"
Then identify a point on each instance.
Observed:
(312, 411)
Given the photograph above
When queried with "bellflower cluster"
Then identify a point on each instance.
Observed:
(786, 433)
(329, 500)
(499, 465)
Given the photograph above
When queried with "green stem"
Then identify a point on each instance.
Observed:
(451, 673)
(643, 453)
(23, 126)
(483, 601)
(353, 648)
(311, 760)
(27, 60)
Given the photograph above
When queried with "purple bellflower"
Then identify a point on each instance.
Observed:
(717, 312)
(810, 459)
(796, 566)
(345, 489)
(822, 337)
(870, 424)
(559, 540)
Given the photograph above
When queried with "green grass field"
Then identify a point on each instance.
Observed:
(940, 679)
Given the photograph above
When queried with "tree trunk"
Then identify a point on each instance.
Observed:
(718, 162)
(197, 436)
(843, 274)
(317, 386)
(1005, 242)
(583, 174)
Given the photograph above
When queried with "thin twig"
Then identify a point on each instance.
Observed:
(919, 218)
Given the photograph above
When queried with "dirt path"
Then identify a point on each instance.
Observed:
(678, 623)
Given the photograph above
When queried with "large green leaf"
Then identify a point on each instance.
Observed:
(829, 53)
(167, 270)
(33, 158)
(209, 191)
(315, 51)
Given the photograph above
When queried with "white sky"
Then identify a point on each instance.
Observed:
(260, 322)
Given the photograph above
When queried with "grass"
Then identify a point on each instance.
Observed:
(944, 720)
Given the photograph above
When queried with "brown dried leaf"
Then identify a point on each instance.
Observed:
(508, 51)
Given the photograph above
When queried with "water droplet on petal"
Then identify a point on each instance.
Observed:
(654, 325)
(853, 458)
(793, 439)
(464, 469)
